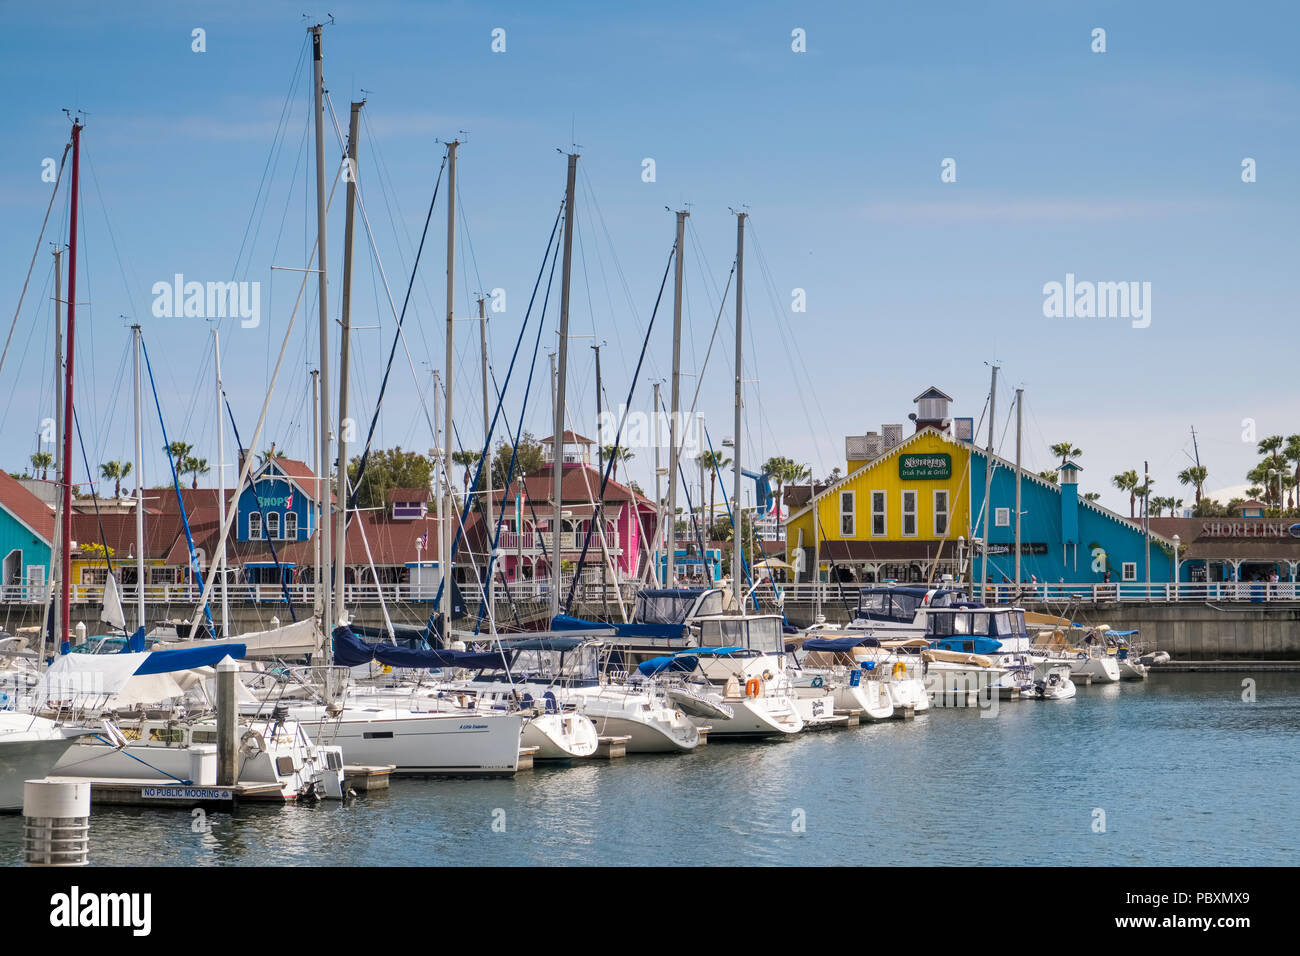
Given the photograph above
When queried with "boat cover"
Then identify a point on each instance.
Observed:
(838, 644)
(564, 622)
(350, 651)
(657, 665)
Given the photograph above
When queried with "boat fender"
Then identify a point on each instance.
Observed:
(253, 742)
(752, 687)
(767, 675)
(817, 682)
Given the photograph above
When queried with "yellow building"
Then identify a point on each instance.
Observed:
(898, 516)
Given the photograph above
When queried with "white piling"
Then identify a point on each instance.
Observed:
(56, 823)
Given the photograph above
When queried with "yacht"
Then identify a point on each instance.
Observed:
(30, 746)
(858, 684)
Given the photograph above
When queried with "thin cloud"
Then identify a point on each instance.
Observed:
(1027, 210)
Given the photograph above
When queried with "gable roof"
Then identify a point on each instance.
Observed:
(28, 510)
(932, 392)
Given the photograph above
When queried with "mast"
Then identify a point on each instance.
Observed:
(557, 439)
(489, 524)
(1020, 398)
(599, 511)
(341, 518)
(659, 497)
(439, 513)
(317, 511)
(56, 560)
(139, 486)
(323, 606)
(675, 414)
(65, 552)
(737, 544)
(444, 557)
(988, 485)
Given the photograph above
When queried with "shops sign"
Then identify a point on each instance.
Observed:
(925, 467)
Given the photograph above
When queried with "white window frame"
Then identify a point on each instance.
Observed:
(939, 533)
(905, 514)
(882, 513)
(272, 525)
(254, 526)
(851, 514)
(1129, 571)
(290, 517)
(1002, 517)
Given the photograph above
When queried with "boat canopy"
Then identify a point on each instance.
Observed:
(969, 645)
(552, 642)
(670, 632)
(671, 663)
(838, 644)
(714, 652)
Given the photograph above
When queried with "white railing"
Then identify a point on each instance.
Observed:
(544, 541)
(1258, 592)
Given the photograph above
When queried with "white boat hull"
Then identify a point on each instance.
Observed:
(28, 751)
(754, 717)
(1102, 670)
(563, 736)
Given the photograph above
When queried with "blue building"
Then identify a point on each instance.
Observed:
(26, 541)
(278, 506)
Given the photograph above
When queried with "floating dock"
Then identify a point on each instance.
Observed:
(362, 778)
(125, 792)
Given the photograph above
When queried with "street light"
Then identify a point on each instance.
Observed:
(1271, 473)
(1177, 542)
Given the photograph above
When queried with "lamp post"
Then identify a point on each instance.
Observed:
(1273, 472)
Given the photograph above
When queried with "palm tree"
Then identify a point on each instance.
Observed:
(713, 463)
(42, 460)
(1092, 496)
(1292, 454)
(1050, 474)
(195, 467)
(785, 471)
(1272, 447)
(264, 456)
(1195, 475)
(617, 453)
(1128, 481)
(466, 459)
(115, 471)
(1144, 491)
(1066, 450)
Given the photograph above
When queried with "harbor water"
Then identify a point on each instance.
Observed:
(1177, 771)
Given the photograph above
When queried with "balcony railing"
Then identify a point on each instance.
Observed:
(1257, 592)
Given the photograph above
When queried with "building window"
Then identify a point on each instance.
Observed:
(940, 513)
(273, 525)
(290, 526)
(878, 522)
(1002, 517)
(254, 526)
(847, 514)
(1130, 570)
(909, 514)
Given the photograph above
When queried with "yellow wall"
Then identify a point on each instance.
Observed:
(882, 475)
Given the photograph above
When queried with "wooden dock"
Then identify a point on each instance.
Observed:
(125, 792)
(362, 778)
(611, 748)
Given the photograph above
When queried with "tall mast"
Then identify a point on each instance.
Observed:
(318, 512)
(675, 414)
(323, 606)
(444, 558)
(59, 503)
(737, 544)
(139, 486)
(439, 512)
(66, 550)
(988, 484)
(557, 439)
(1020, 399)
(659, 498)
(490, 525)
(341, 518)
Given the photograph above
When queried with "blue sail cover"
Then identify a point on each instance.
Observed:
(838, 644)
(350, 651)
(164, 662)
(978, 645)
(673, 664)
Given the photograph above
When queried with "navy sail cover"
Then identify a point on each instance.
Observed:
(351, 651)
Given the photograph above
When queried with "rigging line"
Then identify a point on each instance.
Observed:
(388, 368)
(618, 434)
(112, 236)
(553, 252)
(722, 305)
(275, 558)
(99, 521)
(189, 538)
(39, 236)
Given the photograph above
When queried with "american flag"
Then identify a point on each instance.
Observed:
(423, 540)
(288, 502)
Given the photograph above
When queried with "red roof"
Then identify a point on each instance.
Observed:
(579, 485)
(26, 507)
(569, 438)
(407, 494)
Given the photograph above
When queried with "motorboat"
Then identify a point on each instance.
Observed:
(895, 612)
(856, 683)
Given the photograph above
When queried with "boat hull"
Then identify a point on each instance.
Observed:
(23, 760)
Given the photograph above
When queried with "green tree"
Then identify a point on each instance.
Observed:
(531, 459)
(42, 460)
(1272, 447)
(784, 471)
(115, 471)
(1292, 454)
(1128, 481)
(386, 470)
(1050, 474)
(713, 463)
(193, 466)
(1194, 475)
(1065, 450)
(264, 456)
(1092, 496)
(616, 453)
(466, 459)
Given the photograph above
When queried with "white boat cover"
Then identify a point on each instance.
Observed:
(291, 640)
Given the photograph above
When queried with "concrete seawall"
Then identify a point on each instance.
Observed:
(1197, 632)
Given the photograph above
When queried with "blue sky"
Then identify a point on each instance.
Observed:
(1115, 166)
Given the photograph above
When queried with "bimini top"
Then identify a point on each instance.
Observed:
(672, 664)
(968, 644)
(838, 644)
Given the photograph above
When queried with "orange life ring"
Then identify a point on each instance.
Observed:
(752, 687)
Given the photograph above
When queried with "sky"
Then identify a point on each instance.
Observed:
(915, 176)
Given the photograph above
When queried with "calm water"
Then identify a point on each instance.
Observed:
(1185, 771)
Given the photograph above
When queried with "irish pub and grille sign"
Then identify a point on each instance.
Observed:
(933, 466)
